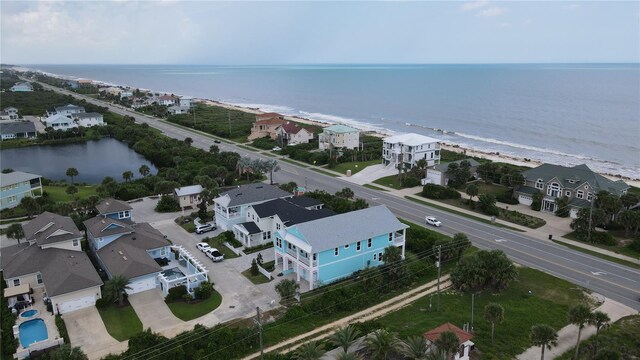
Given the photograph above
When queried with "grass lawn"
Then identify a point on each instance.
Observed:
(186, 312)
(258, 279)
(389, 181)
(121, 322)
(248, 148)
(597, 254)
(623, 250)
(355, 167)
(373, 187)
(522, 311)
(623, 337)
(59, 193)
(491, 189)
(217, 242)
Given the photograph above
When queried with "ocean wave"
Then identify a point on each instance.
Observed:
(281, 109)
(334, 119)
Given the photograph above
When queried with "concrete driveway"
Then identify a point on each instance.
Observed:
(152, 310)
(87, 331)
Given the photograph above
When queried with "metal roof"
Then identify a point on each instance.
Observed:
(189, 190)
(340, 129)
(16, 177)
(411, 139)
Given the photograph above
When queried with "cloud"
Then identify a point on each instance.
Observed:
(473, 5)
(503, 25)
(528, 21)
(492, 11)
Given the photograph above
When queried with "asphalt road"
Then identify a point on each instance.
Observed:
(615, 281)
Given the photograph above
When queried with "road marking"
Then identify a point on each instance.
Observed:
(500, 240)
(598, 273)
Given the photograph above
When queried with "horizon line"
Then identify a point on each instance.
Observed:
(336, 64)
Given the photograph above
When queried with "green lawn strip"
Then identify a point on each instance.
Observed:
(295, 162)
(443, 208)
(553, 295)
(324, 172)
(491, 189)
(200, 132)
(186, 312)
(248, 148)
(217, 242)
(373, 187)
(266, 153)
(59, 193)
(600, 255)
(504, 213)
(189, 227)
(355, 167)
(620, 337)
(257, 279)
(622, 250)
(389, 181)
(121, 322)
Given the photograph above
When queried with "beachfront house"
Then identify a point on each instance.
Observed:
(17, 130)
(9, 113)
(139, 252)
(188, 196)
(126, 94)
(338, 137)
(186, 101)
(166, 100)
(579, 183)
(264, 219)
(266, 125)
(16, 185)
(331, 248)
(292, 134)
(22, 86)
(405, 150)
(439, 175)
(231, 206)
(66, 110)
(465, 345)
(50, 263)
(88, 119)
(59, 122)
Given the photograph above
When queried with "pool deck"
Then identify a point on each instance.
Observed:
(53, 338)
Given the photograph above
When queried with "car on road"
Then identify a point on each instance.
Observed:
(214, 255)
(203, 228)
(203, 246)
(216, 141)
(277, 148)
(430, 220)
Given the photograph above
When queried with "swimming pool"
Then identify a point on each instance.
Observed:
(29, 313)
(32, 331)
(173, 273)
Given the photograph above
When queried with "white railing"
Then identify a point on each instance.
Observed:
(41, 345)
(236, 251)
(264, 272)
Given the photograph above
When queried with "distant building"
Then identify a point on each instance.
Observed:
(126, 94)
(407, 149)
(65, 110)
(188, 196)
(9, 113)
(22, 86)
(266, 125)
(465, 345)
(338, 137)
(177, 110)
(59, 122)
(16, 185)
(166, 100)
(186, 101)
(88, 119)
(17, 130)
(438, 174)
(292, 134)
(268, 116)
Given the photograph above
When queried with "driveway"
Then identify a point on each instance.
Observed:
(152, 310)
(87, 331)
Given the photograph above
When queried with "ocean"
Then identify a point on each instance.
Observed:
(565, 114)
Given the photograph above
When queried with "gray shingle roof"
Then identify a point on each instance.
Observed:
(49, 228)
(87, 115)
(17, 127)
(304, 201)
(251, 227)
(69, 107)
(578, 174)
(252, 193)
(527, 190)
(16, 177)
(111, 205)
(289, 213)
(347, 228)
(98, 225)
(444, 167)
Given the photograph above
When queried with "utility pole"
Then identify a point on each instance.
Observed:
(473, 295)
(593, 199)
(259, 322)
(438, 265)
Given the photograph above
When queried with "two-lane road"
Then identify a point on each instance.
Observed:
(618, 282)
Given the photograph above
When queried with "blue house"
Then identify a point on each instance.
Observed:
(328, 249)
(16, 185)
(22, 86)
(139, 252)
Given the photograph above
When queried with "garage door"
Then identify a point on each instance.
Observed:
(76, 304)
(525, 200)
(142, 284)
(434, 176)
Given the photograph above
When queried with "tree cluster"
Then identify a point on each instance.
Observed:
(484, 270)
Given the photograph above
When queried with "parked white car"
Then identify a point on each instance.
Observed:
(277, 148)
(203, 246)
(214, 254)
(430, 220)
(203, 228)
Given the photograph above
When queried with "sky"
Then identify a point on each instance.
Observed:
(246, 33)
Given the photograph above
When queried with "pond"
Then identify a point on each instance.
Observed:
(94, 160)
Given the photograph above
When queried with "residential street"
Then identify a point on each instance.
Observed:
(612, 280)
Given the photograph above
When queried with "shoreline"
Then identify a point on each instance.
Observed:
(493, 156)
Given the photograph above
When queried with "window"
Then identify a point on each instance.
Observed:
(346, 246)
(375, 257)
(76, 242)
(277, 226)
(124, 214)
(266, 235)
(539, 184)
(336, 251)
(390, 237)
(567, 193)
(589, 196)
(379, 256)
(163, 252)
(16, 282)
(580, 194)
(358, 246)
(369, 243)
(13, 199)
(39, 278)
(279, 243)
(315, 257)
(553, 190)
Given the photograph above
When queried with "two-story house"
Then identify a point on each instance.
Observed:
(438, 174)
(17, 130)
(88, 119)
(137, 250)
(9, 113)
(406, 149)
(338, 137)
(66, 110)
(292, 134)
(231, 206)
(579, 183)
(60, 122)
(166, 100)
(51, 263)
(22, 86)
(265, 219)
(329, 249)
(16, 185)
(268, 126)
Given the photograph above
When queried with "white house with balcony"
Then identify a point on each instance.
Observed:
(407, 149)
(88, 119)
(338, 137)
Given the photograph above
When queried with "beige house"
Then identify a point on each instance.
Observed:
(52, 264)
(266, 125)
(338, 137)
(292, 134)
(188, 196)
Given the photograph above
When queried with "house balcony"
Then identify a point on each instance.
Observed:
(398, 239)
(182, 269)
(302, 259)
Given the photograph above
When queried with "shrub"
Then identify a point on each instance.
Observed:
(102, 303)
(187, 297)
(176, 293)
(410, 181)
(203, 291)
(598, 237)
(507, 198)
(252, 249)
(167, 204)
(635, 245)
(62, 329)
(433, 191)
(487, 204)
(264, 143)
(254, 268)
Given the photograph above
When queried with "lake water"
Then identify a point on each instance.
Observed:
(93, 159)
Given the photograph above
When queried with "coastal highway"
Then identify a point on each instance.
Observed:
(615, 281)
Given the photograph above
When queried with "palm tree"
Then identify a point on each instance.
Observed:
(415, 347)
(344, 337)
(472, 190)
(127, 176)
(15, 231)
(287, 289)
(116, 287)
(309, 351)
(600, 320)
(30, 205)
(447, 344)
(493, 313)
(72, 172)
(544, 336)
(579, 315)
(381, 343)
(392, 254)
(144, 170)
(347, 356)
(188, 141)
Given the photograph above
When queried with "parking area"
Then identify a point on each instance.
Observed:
(87, 331)
(153, 311)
